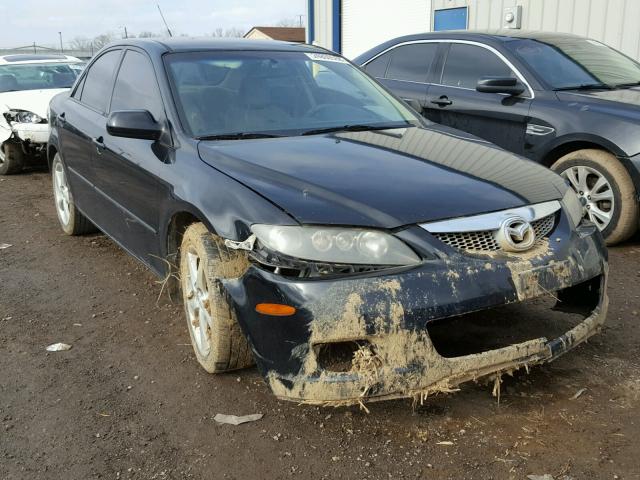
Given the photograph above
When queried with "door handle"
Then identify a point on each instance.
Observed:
(61, 118)
(443, 101)
(99, 143)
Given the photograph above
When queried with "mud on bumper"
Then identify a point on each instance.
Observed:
(367, 338)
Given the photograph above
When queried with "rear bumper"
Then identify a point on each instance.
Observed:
(390, 313)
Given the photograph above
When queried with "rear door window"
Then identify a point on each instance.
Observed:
(136, 86)
(98, 81)
(466, 64)
(412, 62)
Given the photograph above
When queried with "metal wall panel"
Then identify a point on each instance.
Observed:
(614, 22)
(367, 23)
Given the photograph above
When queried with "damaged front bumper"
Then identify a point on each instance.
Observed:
(386, 315)
(34, 133)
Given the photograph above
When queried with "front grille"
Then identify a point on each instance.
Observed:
(485, 241)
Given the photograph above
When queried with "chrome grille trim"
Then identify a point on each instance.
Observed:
(477, 234)
(492, 221)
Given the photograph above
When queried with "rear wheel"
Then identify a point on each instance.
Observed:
(71, 220)
(11, 158)
(217, 339)
(605, 190)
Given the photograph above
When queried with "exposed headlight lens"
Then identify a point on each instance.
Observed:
(336, 245)
(573, 206)
(27, 117)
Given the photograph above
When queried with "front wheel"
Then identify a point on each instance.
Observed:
(217, 339)
(605, 189)
(11, 158)
(72, 221)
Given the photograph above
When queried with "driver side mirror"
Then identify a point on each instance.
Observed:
(133, 124)
(508, 85)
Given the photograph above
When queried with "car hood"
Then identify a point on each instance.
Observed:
(623, 102)
(35, 101)
(383, 179)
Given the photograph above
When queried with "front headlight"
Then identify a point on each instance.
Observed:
(573, 206)
(22, 116)
(336, 245)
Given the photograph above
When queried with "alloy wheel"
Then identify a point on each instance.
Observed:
(198, 303)
(595, 193)
(61, 194)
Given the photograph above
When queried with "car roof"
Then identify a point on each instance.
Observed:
(503, 35)
(173, 44)
(24, 58)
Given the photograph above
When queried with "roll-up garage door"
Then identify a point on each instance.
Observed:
(367, 23)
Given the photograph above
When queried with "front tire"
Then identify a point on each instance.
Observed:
(72, 221)
(606, 190)
(217, 339)
(11, 158)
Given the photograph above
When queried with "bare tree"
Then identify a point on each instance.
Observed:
(147, 34)
(103, 39)
(288, 22)
(80, 43)
(232, 32)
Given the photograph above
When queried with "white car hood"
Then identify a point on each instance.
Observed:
(36, 101)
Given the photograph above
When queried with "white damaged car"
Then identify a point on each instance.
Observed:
(27, 84)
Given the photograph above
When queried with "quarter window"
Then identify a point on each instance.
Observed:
(412, 62)
(136, 87)
(378, 67)
(466, 64)
(97, 85)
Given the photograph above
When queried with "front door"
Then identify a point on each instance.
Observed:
(454, 101)
(128, 170)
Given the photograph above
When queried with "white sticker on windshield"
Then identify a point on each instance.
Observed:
(326, 57)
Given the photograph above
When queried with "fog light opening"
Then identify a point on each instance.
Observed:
(339, 356)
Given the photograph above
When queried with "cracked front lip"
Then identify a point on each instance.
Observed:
(391, 311)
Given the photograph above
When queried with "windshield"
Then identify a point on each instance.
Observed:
(563, 62)
(38, 76)
(278, 93)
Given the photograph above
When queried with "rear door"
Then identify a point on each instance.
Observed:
(127, 170)
(454, 101)
(405, 70)
(80, 122)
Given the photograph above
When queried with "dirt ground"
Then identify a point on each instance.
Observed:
(129, 400)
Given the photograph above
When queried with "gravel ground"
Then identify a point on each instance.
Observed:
(129, 400)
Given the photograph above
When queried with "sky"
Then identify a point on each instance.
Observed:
(28, 21)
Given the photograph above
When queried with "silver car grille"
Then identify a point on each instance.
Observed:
(478, 233)
(485, 240)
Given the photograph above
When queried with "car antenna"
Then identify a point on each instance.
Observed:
(165, 22)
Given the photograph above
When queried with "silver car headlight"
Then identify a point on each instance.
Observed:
(573, 206)
(336, 245)
(22, 116)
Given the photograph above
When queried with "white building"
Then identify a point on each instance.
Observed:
(351, 27)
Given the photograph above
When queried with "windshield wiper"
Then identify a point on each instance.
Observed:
(586, 86)
(356, 128)
(238, 136)
(630, 84)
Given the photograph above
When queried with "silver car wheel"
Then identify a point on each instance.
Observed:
(198, 303)
(595, 193)
(61, 193)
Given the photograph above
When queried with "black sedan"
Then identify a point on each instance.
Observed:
(317, 225)
(567, 102)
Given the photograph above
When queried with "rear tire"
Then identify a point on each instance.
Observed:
(606, 188)
(72, 221)
(11, 158)
(218, 342)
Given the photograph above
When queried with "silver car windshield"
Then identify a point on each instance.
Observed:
(278, 93)
(37, 76)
